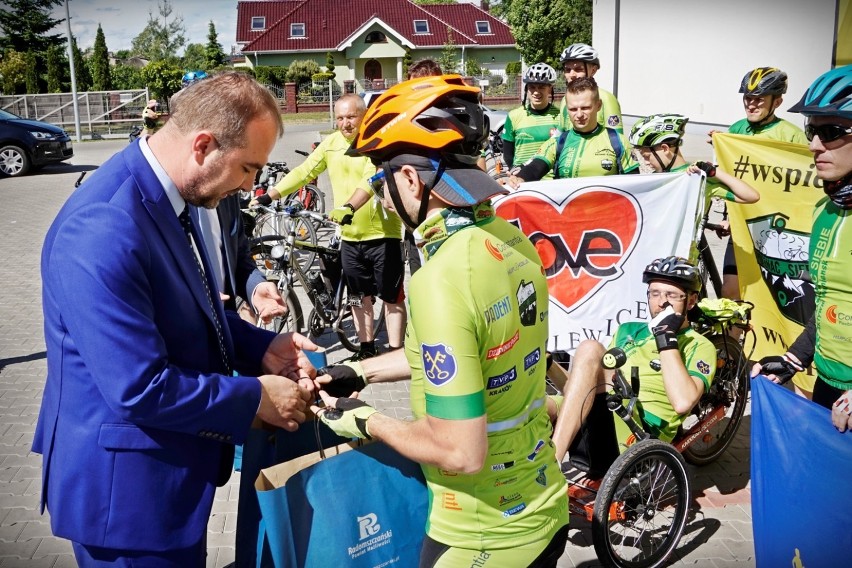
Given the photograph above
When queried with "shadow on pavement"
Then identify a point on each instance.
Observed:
(21, 359)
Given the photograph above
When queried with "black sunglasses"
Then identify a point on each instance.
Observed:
(377, 183)
(826, 132)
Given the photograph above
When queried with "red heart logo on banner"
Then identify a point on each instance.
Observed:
(583, 240)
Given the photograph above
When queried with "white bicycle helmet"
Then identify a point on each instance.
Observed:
(540, 73)
(580, 52)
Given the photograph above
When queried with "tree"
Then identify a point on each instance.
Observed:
(13, 69)
(163, 78)
(25, 24)
(126, 77)
(407, 60)
(31, 73)
(81, 70)
(472, 67)
(543, 28)
(329, 65)
(160, 41)
(448, 60)
(56, 65)
(302, 70)
(214, 56)
(99, 63)
(195, 57)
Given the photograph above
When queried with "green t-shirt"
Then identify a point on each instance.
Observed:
(475, 342)
(779, 129)
(609, 115)
(528, 129)
(831, 273)
(637, 342)
(586, 155)
(346, 173)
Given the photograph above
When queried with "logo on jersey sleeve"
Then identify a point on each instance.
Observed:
(703, 367)
(527, 303)
(613, 120)
(439, 365)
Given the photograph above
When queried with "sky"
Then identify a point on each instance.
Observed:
(122, 20)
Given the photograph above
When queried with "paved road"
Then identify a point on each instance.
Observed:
(719, 530)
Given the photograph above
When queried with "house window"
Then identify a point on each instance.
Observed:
(258, 23)
(421, 27)
(376, 37)
(297, 30)
(483, 27)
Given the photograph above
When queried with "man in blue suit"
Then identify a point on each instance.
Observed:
(140, 409)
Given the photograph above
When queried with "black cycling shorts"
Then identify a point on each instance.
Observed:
(374, 268)
(729, 265)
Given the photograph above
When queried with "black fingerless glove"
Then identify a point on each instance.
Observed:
(707, 168)
(779, 366)
(665, 327)
(345, 379)
(264, 199)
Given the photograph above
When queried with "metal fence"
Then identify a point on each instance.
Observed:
(103, 114)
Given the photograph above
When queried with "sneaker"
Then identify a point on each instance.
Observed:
(364, 353)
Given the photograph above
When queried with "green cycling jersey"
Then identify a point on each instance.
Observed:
(527, 129)
(346, 173)
(831, 272)
(587, 154)
(779, 129)
(637, 342)
(476, 346)
(609, 115)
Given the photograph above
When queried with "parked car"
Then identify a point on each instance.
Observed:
(29, 144)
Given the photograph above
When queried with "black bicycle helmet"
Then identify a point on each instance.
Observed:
(764, 81)
(829, 95)
(674, 270)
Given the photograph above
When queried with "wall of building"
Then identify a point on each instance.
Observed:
(689, 56)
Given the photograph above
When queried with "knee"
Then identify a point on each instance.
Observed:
(589, 350)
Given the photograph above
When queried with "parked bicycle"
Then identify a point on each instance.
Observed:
(325, 288)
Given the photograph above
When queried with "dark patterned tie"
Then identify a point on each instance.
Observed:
(186, 223)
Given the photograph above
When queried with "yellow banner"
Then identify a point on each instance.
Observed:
(843, 43)
(771, 237)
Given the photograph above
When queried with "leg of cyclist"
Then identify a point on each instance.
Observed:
(389, 271)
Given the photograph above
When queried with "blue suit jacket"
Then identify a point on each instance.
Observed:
(241, 270)
(136, 413)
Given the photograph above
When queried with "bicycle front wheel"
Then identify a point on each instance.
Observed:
(292, 321)
(347, 333)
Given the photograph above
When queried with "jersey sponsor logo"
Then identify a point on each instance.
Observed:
(535, 452)
(514, 510)
(498, 310)
(505, 481)
(502, 380)
(541, 477)
(527, 305)
(703, 367)
(502, 466)
(532, 358)
(439, 364)
(506, 499)
(607, 165)
(831, 314)
(579, 253)
(613, 120)
(495, 352)
(655, 364)
(368, 525)
(449, 502)
(489, 246)
(782, 255)
(458, 221)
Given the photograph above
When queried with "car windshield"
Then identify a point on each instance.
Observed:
(8, 115)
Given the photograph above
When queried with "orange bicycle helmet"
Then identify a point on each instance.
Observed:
(439, 114)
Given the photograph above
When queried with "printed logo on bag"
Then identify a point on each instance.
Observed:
(501, 381)
(583, 241)
(449, 502)
(526, 303)
(782, 255)
(439, 365)
(368, 525)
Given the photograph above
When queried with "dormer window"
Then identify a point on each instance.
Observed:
(258, 23)
(483, 27)
(376, 37)
(297, 30)
(421, 27)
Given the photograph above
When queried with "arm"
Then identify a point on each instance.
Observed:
(312, 167)
(508, 153)
(740, 190)
(533, 170)
(682, 389)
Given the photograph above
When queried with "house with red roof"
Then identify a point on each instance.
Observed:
(368, 39)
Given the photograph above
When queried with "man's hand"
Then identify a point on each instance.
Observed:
(267, 301)
(264, 199)
(344, 379)
(513, 181)
(777, 368)
(283, 402)
(347, 417)
(710, 135)
(342, 215)
(665, 327)
(284, 357)
(841, 412)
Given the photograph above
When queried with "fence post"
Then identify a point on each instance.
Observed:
(290, 98)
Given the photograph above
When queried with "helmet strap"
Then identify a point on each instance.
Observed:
(668, 166)
(393, 191)
(770, 116)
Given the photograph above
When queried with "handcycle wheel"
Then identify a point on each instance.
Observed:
(346, 331)
(642, 506)
(291, 321)
(729, 389)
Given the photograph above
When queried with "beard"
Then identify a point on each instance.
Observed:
(202, 190)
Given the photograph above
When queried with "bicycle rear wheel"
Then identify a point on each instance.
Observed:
(347, 333)
(729, 389)
(291, 321)
(279, 224)
(311, 198)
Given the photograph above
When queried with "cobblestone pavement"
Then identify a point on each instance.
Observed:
(718, 532)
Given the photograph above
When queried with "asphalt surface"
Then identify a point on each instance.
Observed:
(718, 533)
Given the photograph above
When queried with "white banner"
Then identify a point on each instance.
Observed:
(595, 236)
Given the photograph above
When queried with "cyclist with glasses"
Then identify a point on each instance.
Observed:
(581, 60)
(676, 365)
(587, 149)
(475, 340)
(529, 125)
(826, 339)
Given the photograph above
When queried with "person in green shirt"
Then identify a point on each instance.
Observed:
(529, 125)
(475, 342)
(587, 149)
(581, 60)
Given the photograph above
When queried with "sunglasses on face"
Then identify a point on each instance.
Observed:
(377, 183)
(826, 132)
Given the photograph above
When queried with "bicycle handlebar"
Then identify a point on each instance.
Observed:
(296, 211)
(302, 153)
